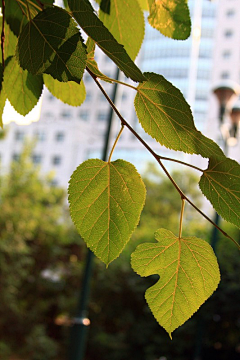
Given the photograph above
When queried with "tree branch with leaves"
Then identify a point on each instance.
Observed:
(42, 44)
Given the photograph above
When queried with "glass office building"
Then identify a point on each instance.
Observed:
(187, 64)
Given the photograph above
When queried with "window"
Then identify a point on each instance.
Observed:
(59, 136)
(102, 98)
(50, 97)
(230, 13)
(205, 53)
(225, 75)
(88, 97)
(36, 158)
(226, 54)
(49, 116)
(203, 74)
(207, 33)
(54, 183)
(87, 78)
(208, 12)
(124, 96)
(107, 59)
(201, 95)
(40, 135)
(84, 115)
(56, 160)
(19, 135)
(102, 116)
(15, 157)
(228, 33)
(66, 114)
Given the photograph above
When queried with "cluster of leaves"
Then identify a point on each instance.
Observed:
(42, 43)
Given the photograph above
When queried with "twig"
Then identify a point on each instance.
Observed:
(115, 143)
(158, 159)
(181, 219)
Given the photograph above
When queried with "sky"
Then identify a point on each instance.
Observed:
(10, 114)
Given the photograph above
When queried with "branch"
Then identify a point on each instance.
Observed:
(158, 158)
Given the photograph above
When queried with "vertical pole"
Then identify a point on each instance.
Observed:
(78, 334)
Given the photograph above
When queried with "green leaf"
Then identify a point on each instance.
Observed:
(69, 92)
(10, 41)
(125, 21)
(51, 44)
(22, 88)
(220, 183)
(91, 63)
(14, 12)
(171, 18)
(90, 23)
(3, 96)
(106, 200)
(189, 274)
(144, 4)
(166, 116)
(14, 16)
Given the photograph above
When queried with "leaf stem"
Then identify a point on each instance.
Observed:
(123, 83)
(3, 33)
(28, 10)
(158, 158)
(181, 218)
(180, 162)
(115, 142)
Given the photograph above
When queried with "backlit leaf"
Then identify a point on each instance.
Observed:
(166, 116)
(93, 26)
(220, 183)
(3, 96)
(106, 200)
(171, 18)
(51, 43)
(125, 21)
(91, 63)
(69, 92)
(188, 271)
(10, 41)
(22, 88)
(144, 4)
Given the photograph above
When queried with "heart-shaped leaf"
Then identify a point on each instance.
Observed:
(189, 274)
(106, 200)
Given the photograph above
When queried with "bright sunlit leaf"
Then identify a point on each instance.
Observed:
(188, 271)
(106, 200)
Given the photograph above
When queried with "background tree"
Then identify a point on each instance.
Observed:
(37, 241)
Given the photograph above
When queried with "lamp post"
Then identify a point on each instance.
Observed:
(78, 336)
(226, 93)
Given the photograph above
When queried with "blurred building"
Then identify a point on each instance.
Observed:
(65, 136)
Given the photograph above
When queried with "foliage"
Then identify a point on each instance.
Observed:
(50, 42)
(35, 251)
(114, 331)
